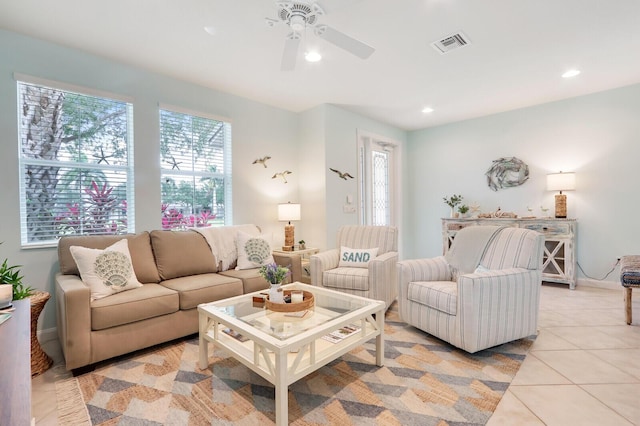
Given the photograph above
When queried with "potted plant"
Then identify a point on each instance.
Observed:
(302, 245)
(275, 276)
(452, 202)
(463, 209)
(10, 275)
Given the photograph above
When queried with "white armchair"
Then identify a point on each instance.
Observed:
(484, 292)
(375, 281)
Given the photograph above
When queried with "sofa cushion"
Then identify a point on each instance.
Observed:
(142, 259)
(253, 251)
(203, 288)
(181, 254)
(251, 279)
(107, 271)
(439, 295)
(347, 278)
(148, 301)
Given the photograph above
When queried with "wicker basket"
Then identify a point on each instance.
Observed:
(40, 361)
(307, 303)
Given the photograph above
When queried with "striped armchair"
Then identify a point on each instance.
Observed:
(375, 281)
(495, 302)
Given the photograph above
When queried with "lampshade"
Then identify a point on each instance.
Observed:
(288, 212)
(561, 181)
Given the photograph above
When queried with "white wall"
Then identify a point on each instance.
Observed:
(596, 136)
(312, 180)
(341, 154)
(258, 130)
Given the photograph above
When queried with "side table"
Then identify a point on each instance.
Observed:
(40, 361)
(305, 254)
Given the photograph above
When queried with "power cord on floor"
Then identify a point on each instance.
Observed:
(599, 279)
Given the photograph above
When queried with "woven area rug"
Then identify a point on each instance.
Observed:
(424, 382)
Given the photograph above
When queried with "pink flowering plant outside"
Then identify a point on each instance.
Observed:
(274, 273)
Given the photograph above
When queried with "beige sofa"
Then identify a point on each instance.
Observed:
(178, 271)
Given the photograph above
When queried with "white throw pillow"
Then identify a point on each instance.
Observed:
(481, 269)
(107, 271)
(356, 258)
(253, 251)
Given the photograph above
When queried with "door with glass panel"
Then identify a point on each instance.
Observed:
(377, 191)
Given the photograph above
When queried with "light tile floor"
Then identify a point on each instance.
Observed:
(583, 369)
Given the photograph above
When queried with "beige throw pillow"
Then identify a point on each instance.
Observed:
(107, 271)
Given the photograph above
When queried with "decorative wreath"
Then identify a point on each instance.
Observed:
(507, 172)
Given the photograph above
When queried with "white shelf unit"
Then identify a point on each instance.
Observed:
(559, 259)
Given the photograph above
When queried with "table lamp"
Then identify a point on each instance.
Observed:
(561, 182)
(286, 213)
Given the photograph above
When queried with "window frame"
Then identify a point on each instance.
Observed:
(226, 174)
(24, 162)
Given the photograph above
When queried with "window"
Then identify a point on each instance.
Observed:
(76, 163)
(195, 156)
(376, 177)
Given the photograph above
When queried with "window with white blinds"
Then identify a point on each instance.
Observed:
(195, 157)
(76, 163)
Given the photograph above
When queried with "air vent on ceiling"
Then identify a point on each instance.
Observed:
(451, 42)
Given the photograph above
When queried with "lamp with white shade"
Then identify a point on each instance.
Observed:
(286, 213)
(561, 182)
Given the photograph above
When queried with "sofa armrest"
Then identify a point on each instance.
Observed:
(383, 277)
(321, 262)
(73, 317)
(504, 301)
(291, 261)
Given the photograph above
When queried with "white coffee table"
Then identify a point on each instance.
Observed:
(283, 349)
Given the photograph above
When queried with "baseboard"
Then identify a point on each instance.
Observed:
(47, 335)
(610, 285)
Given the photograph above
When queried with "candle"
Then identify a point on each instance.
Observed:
(296, 296)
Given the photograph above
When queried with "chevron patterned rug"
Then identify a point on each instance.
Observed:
(424, 382)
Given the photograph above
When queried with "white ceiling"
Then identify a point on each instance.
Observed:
(518, 50)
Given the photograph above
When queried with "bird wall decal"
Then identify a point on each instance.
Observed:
(283, 175)
(342, 175)
(262, 161)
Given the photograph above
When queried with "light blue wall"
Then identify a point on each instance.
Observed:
(341, 153)
(596, 136)
(258, 130)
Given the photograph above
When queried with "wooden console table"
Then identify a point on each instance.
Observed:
(559, 258)
(15, 369)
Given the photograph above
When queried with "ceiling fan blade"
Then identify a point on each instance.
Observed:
(290, 52)
(344, 41)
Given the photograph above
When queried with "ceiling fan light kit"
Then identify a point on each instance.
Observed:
(301, 15)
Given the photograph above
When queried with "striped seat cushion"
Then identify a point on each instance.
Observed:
(439, 295)
(347, 278)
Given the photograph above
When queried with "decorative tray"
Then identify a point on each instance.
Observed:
(307, 303)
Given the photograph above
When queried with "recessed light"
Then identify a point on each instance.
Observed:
(210, 29)
(427, 110)
(571, 73)
(312, 56)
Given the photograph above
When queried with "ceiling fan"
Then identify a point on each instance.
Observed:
(303, 14)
